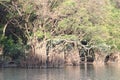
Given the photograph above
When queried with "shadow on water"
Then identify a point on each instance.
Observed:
(82, 72)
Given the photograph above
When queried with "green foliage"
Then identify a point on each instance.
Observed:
(11, 49)
(67, 7)
(98, 23)
(5, 0)
(39, 34)
(67, 37)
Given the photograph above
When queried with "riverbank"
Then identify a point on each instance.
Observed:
(55, 60)
(13, 64)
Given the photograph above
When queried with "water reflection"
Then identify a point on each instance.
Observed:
(82, 72)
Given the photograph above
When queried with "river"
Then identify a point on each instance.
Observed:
(82, 72)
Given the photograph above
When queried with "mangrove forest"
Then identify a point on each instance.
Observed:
(58, 33)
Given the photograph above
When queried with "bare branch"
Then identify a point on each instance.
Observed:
(4, 29)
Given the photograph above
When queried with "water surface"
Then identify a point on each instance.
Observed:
(82, 72)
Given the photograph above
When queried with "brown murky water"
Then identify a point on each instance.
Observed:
(82, 72)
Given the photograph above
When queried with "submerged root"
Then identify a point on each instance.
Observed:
(34, 62)
(99, 58)
(113, 58)
(72, 58)
(56, 57)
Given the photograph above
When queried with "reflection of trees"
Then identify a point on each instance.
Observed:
(72, 73)
(1, 75)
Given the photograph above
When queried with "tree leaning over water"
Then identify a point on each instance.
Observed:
(35, 27)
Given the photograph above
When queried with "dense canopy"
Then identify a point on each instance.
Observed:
(28, 24)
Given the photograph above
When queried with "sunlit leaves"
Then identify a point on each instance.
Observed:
(96, 21)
